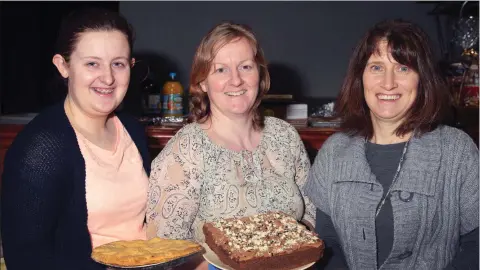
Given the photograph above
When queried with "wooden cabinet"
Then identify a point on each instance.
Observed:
(158, 137)
(7, 134)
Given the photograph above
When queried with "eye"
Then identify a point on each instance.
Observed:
(119, 64)
(376, 68)
(91, 64)
(404, 69)
(247, 67)
(220, 70)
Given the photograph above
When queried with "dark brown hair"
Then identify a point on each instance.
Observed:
(215, 39)
(408, 45)
(89, 19)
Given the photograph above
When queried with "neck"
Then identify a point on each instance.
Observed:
(237, 132)
(384, 133)
(83, 122)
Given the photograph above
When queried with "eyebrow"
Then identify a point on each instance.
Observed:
(241, 62)
(381, 63)
(375, 62)
(98, 58)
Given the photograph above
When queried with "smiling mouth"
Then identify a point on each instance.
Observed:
(103, 91)
(236, 93)
(388, 97)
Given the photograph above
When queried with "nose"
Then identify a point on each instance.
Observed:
(236, 78)
(389, 81)
(107, 76)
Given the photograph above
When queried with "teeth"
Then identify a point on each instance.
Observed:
(103, 91)
(388, 97)
(236, 93)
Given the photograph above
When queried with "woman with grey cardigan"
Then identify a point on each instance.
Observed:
(396, 189)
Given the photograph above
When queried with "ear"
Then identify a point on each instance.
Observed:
(61, 65)
(132, 63)
(203, 86)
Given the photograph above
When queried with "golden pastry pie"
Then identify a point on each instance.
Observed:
(144, 252)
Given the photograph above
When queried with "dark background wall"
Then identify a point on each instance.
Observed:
(28, 80)
(308, 44)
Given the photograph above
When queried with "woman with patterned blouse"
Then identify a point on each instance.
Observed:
(229, 161)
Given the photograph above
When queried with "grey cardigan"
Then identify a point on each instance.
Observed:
(434, 201)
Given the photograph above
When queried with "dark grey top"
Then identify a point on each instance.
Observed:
(383, 161)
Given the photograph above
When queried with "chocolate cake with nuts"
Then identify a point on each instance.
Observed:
(264, 241)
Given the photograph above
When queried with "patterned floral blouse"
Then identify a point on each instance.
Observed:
(193, 180)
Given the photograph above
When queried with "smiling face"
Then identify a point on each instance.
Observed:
(98, 71)
(390, 88)
(233, 81)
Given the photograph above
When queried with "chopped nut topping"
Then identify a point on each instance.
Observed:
(268, 233)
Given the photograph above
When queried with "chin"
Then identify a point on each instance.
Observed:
(389, 117)
(242, 110)
(105, 110)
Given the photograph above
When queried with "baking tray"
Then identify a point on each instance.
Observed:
(155, 266)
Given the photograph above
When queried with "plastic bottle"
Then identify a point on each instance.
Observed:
(172, 97)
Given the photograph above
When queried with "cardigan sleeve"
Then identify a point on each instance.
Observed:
(467, 252)
(469, 188)
(32, 195)
(317, 186)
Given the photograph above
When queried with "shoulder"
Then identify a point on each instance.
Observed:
(278, 124)
(338, 140)
(453, 137)
(280, 129)
(191, 132)
(188, 136)
(447, 136)
(47, 140)
(49, 128)
(189, 129)
(449, 133)
(189, 139)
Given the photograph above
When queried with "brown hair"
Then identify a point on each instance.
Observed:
(216, 38)
(408, 45)
(90, 19)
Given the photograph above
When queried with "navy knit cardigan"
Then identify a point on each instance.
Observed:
(43, 204)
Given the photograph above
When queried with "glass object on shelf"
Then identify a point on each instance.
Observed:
(151, 96)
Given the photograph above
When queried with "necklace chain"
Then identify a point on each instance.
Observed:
(382, 202)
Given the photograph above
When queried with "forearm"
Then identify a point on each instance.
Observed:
(26, 227)
(29, 257)
(20, 240)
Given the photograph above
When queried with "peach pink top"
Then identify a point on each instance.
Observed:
(116, 189)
